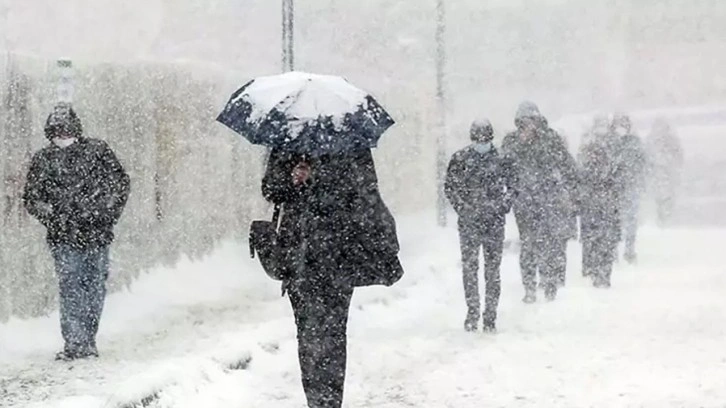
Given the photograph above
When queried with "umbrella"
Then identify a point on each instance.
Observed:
(307, 113)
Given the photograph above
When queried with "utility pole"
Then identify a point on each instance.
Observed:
(64, 87)
(4, 15)
(441, 108)
(288, 37)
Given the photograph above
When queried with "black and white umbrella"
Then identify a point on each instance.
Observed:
(307, 113)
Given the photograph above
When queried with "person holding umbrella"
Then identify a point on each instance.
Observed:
(335, 233)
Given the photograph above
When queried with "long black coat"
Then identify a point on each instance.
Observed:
(78, 193)
(335, 229)
(546, 182)
(480, 186)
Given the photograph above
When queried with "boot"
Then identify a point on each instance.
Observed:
(601, 282)
(65, 355)
(551, 292)
(489, 322)
(472, 322)
(530, 296)
(489, 326)
(630, 257)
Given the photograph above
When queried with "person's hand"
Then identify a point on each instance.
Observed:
(301, 173)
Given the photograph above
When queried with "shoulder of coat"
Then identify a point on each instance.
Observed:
(43, 153)
(461, 153)
(97, 145)
(512, 134)
(94, 142)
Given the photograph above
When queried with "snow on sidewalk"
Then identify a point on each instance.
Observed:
(216, 334)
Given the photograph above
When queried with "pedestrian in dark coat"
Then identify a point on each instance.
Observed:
(546, 182)
(336, 233)
(77, 189)
(480, 187)
(600, 190)
(630, 154)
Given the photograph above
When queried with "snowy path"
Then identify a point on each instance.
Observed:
(655, 340)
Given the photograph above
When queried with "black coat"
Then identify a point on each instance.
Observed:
(335, 229)
(546, 181)
(78, 193)
(480, 186)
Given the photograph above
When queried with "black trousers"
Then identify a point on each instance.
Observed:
(488, 237)
(321, 315)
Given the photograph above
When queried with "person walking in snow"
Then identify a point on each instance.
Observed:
(335, 234)
(480, 187)
(600, 190)
(631, 155)
(546, 177)
(77, 189)
(665, 159)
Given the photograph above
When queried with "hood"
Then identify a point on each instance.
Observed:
(63, 120)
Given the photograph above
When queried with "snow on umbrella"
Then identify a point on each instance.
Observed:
(308, 113)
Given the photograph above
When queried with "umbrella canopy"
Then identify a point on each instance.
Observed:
(308, 113)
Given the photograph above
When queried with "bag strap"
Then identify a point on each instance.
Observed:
(276, 215)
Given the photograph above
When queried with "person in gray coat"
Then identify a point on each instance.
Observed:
(600, 192)
(546, 177)
(631, 156)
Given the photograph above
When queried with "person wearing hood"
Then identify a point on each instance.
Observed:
(631, 155)
(600, 191)
(480, 186)
(77, 189)
(546, 177)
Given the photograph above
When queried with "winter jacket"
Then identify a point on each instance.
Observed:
(546, 177)
(600, 190)
(335, 229)
(78, 193)
(630, 153)
(480, 186)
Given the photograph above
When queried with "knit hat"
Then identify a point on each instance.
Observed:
(481, 131)
(63, 121)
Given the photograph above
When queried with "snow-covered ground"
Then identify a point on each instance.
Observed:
(217, 334)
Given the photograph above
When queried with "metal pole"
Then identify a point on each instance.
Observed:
(288, 49)
(441, 107)
(5, 7)
(65, 87)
